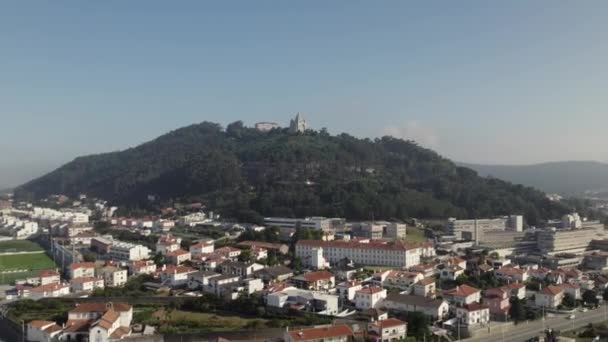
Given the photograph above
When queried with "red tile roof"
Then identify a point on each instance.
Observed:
(82, 280)
(461, 291)
(49, 287)
(319, 275)
(48, 273)
(370, 290)
(40, 324)
(372, 244)
(320, 333)
(266, 245)
(474, 307)
(552, 290)
(177, 252)
(389, 323)
(78, 265)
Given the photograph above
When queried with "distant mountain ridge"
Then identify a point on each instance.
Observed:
(567, 177)
(244, 173)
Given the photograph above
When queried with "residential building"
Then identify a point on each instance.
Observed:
(437, 309)
(473, 314)
(274, 274)
(44, 277)
(450, 272)
(168, 243)
(98, 322)
(280, 248)
(426, 287)
(549, 297)
(498, 301)
(319, 280)
(302, 300)
(125, 251)
(142, 267)
(369, 297)
(175, 276)
(462, 295)
(511, 274)
(390, 329)
(43, 331)
(52, 290)
(334, 333)
(400, 279)
(228, 252)
(202, 247)
(396, 230)
(240, 269)
(113, 276)
(178, 256)
(82, 270)
(87, 284)
(476, 229)
(200, 280)
(348, 289)
(366, 252)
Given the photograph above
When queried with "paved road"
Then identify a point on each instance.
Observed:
(523, 331)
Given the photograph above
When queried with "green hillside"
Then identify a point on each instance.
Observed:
(245, 173)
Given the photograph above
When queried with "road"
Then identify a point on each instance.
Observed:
(523, 331)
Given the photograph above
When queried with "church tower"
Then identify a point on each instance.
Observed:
(297, 125)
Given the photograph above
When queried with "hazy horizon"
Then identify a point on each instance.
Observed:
(486, 83)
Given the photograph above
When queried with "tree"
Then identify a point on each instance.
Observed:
(569, 301)
(517, 310)
(417, 325)
(590, 297)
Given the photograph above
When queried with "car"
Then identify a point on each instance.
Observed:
(571, 317)
(583, 310)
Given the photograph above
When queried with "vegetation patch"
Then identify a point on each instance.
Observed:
(14, 246)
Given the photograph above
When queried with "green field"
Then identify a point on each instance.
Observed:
(36, 261)
(19, 246)
(415, 235)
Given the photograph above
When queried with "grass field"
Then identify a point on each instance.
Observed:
(36, 261)
(194, 322)
(415, 235)
(19, 246)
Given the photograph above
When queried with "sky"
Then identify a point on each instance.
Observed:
(511, 82)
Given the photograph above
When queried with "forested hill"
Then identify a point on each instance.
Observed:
(245, 173)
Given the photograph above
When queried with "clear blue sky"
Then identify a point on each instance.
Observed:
(479, 81)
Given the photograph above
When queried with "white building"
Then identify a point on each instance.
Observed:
(369, 297)
(125, 251)
(82, 270)
(114, 276)
(43, 331)
(175, 275)
(52, 290)
(390, 329)
(347, 290)
(202, 247)
(86, 284)
(314, 302)
(318, 262)
(365, 252)
(142, 267)
(473, 314)
(168, 243)
(315, 222)
(266, 126)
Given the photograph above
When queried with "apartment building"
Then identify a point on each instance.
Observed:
(82, 270)
(113, 276)
(553, 241)
(365, 252)
(476, 229)
(124, 251)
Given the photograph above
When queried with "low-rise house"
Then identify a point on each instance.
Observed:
(259, 253)
(113, 276)
(437, 309)
(511, 274)
(425, 288)
(274, 273)
(390, 329)
(334, 333)
(498, 301)
(53, 290)
(44, 277)
(450, 272)
(462, 295)
(217, 285)
(241, 269)
(228, 252)
(246, 287)
(516, 290)
(202, 247)
(99, 322)
(200, 280)
(401, 279)
(82, 238)
(175, 276)
(87, 284)
(549, 297)
(142, 267)
(585, 283)
(348, 289)
(177, 257)
(539, 273)
(369, 297)
(319, 280)
(427, 269)
(294, 299)
(82, 270)
(280, 248)
(168, 243)
(473, 314)
(572, 290)
(43, 331)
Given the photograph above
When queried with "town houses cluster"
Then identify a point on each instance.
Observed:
(460, 277)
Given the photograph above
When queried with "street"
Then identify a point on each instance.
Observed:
(524, 331)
